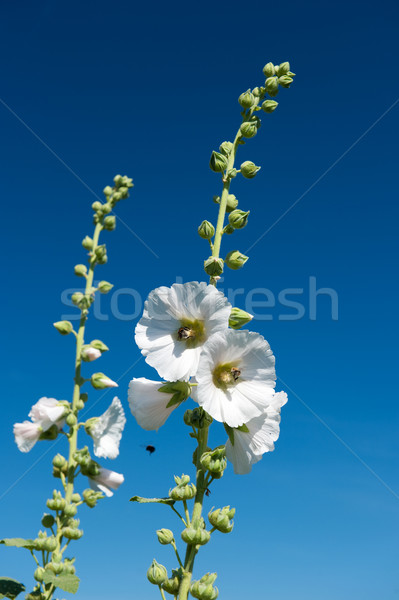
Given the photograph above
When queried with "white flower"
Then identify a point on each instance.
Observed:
(235, 376)
(107, 430)
(47, 412)
(255, 438)
(89, 354)
(106, 481)
(148, 404)
(175, 324)
(26, 435)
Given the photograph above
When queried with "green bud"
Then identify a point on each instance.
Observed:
(239, 318)
(157, 573)
(195, 537)
(59, 461)
(107, 191)
(63, 327)
(100, 381)
(80, 270)
(269, 106)
(50, 434)
(203, 589)
(248, 130)
(249, 169)
(71, 533)
(229, 229)
(165, 536)
(271, 86)
(77, 298)
(257, 92)
(213, 266)
(235, 260)
(50, 544)
(268, 70)
(200, 418)
(284, 68)
(71, 420)
(246, 99)
(231, 173)
(87, 243)
(90, 497)
(180, 391)
(183, 490)
(70, 510)
(226, 148)
(285, 81)
(220, 519)
(214, 461)
(172, 585)
(118, 180)
(104, 287)
(99, 345)
(56, 568)
(109, 223)
(76, 498)
(97, 206)
(39, 574)
(100, 251)
(238, 218)
(206, 230)
(56, 504)
(218, 162)
(47, 520)
(231, 204)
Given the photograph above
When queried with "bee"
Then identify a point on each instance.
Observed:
(149, 447)
(184, 333)
(235, 372)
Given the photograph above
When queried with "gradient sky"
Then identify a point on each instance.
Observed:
(96, 88)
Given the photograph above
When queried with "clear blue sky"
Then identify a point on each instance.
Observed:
(149, 90)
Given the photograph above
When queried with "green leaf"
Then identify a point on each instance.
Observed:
(18, 543)
(152, 500)
(68, 583)
(10, 588)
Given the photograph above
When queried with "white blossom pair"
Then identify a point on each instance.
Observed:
(184, 334)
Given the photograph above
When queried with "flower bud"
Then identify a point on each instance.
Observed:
(200, 418)
(271, 86)
(285, 81)
(71, 420)
(107, 191)
(87, 243)
(248, 130)
(80, 270)
(213, 266)
(268, 70)
(70, 510)
(194, 537)
(63, 327)
(220, 518)
(257, 92)
(39, 574)
(50, 544)
(229, 229)
(89, 354)
(235, 260)
(55, 567)
(226, 148)
(71, 533)
(172, 585)
(100, 381)
(157, 573)
(284, 67)
(249, 169)
(183, 490)
(214, 461)
(218, 162)
(165, 536)
(239, 318)
(180, 391)
(203, 589)
(77, 299)
(246, 99)
(90, 498)
(76, 498)
(206, 230)
(231, 203)
(109, 223)
(238, 218)
(269, 106)
(59, 461)
(104, 287)
(47, 520)
(100, 346)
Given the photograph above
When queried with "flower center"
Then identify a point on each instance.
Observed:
(192, 333)
(225, 376)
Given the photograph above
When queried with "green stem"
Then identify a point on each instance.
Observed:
(196, 516)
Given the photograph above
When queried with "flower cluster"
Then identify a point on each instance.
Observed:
(185, 335)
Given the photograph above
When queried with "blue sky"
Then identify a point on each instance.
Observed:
(93, 89)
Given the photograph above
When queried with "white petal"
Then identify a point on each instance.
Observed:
(105, 481)
(46, 412)
(108, 382)
(107, 431)
(147, 404)
(26, 435)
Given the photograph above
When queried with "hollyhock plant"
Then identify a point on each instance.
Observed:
(50, 418)
(191, 335)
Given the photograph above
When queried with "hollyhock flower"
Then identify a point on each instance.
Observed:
(151, 402)
(106, 481)
(46, 412)
(235, 376)
(106, 430)
(247, 444)
(175, 324)
(26, 435)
